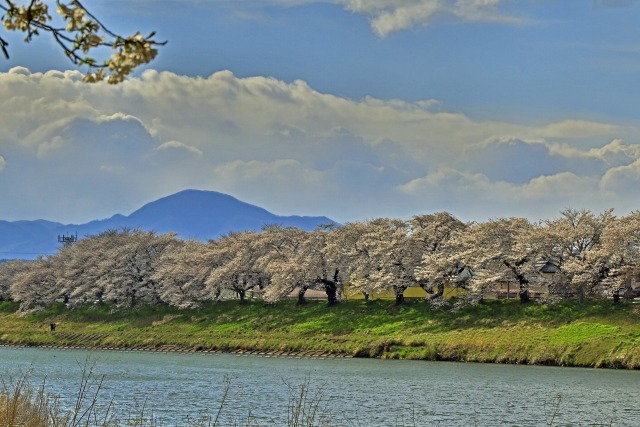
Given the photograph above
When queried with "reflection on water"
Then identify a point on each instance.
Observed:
(357, 392)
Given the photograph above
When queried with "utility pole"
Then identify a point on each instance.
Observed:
(67, 240)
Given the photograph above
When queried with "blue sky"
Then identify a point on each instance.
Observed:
(352, 109)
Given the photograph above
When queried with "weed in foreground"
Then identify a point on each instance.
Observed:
(23, 406)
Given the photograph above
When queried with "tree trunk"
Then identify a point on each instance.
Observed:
(439, 293)
(216, 294)
(616, 297)
(331, 289)
(524, 288)
(366, 296)
(242, 295)
(427, 287)
(399, 292)
(301, 292)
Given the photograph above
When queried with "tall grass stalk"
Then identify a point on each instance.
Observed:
(23, 406)
(307, 409)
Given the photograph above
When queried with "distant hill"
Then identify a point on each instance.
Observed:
(196, 214)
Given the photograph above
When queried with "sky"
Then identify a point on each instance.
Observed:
(353, 109)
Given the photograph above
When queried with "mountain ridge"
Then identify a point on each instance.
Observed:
(192, 214)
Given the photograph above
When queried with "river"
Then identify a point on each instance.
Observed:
(178, 388)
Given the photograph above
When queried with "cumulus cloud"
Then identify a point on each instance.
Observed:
(179, 146)
(388, 16)
(3, 163)
(517, 161)
(104, 149)
(476, 196)
(576, 128)
(623, 181)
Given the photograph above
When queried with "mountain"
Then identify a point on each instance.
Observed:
(196, 214)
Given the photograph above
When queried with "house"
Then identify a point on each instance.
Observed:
(538, 284)
(631, 285)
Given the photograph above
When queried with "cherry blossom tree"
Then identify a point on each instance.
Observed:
(299, 259)
(573, 244)
(433, 235)
(327, 260)
(80, 35)
(344, 242)
(84, 263)
(237, 268)
(280, 249)
(126, 272)
(36, 287)
(496, 252)
(182, 272)
(620, 246)
(383, 258)
(9, 271)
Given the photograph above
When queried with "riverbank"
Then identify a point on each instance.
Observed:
(591, 334)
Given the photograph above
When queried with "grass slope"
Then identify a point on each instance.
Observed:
(592, 334)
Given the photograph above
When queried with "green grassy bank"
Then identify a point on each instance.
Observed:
(591, 334)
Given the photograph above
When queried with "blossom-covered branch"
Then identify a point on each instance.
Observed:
(81, 39)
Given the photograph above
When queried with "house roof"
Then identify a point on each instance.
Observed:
(546, 267)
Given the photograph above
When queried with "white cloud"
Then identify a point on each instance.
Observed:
(388, 16)
(624, 181)
(179, 146)
(517, 161)
(576, 128)
(105, 149)
(475, 196)
(47, 147)
(3, 163)
(117, 117)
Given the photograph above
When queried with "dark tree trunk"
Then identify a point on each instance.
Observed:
(522, 280)
(524, 288)
(301, 292)
(331, 288)
(366, 296)
(427, 287)
(438, 293)
(216, 294)
(399, 292)
(616, 297)
(242, 295)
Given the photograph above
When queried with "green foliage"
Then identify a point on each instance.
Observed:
(9, 306)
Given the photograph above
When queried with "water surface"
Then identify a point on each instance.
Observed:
(176, 387)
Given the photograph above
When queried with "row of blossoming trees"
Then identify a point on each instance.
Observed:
(592, 255)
